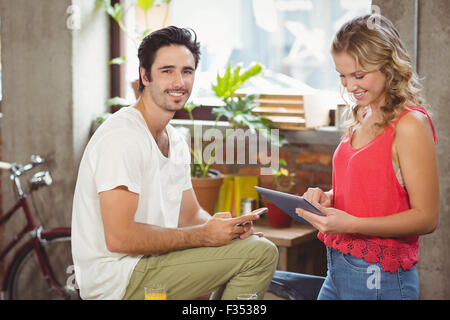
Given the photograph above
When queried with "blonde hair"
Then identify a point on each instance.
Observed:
(374, 43)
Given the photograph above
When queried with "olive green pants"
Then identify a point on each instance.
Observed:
(243, 266)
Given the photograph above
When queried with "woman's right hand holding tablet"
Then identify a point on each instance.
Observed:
(334, 221)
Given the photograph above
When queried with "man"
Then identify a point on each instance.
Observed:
(136, 219)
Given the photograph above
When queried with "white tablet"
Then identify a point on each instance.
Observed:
(289, 202)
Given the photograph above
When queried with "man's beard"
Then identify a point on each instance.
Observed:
(162, 99)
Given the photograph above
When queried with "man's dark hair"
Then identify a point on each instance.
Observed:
(161, 38)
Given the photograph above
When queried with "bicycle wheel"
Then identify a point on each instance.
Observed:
(25, 280)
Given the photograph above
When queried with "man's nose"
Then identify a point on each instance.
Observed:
(177, 80)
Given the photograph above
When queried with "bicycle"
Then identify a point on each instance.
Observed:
(47, 251)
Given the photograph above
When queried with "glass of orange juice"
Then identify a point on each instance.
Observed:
(247, 296)
(155, 292)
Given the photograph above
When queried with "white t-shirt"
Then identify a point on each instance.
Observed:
(123, 152)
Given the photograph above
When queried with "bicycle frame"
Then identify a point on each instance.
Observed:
(37, 238)
(30, 225)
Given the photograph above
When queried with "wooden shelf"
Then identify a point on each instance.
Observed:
(288, 237)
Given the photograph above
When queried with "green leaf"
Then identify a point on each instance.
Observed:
(226, 82)
(233, 79)
(115, 11)
(253, 71)
(190, 106)
(145, 4)
(102, 3)
(100, 119)
(117, 101)
(246, 122)
(252, 97)
(222, 111)
(117, 60)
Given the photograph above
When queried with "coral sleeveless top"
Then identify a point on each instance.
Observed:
(365, 185)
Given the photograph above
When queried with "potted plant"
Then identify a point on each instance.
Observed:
(206, 182)
(284, 181)
(238, 112)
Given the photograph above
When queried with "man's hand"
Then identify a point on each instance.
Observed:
(249, 231)
(222, 228)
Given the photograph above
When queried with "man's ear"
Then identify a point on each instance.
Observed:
(144, 78)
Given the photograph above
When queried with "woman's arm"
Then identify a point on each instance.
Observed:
(416, 151)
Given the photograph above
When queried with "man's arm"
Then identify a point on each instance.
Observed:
(191, 213)
(123, 234)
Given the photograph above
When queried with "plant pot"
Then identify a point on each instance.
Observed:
(207, 190)
(277, 218)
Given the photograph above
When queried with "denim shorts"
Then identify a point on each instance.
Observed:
(352, 278)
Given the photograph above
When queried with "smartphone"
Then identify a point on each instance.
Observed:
(259, 212)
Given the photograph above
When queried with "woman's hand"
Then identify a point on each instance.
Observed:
(334, 221)
(318, 197)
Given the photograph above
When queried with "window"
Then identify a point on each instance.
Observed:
(290, 38)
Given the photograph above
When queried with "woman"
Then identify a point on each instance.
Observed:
(385, 181)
